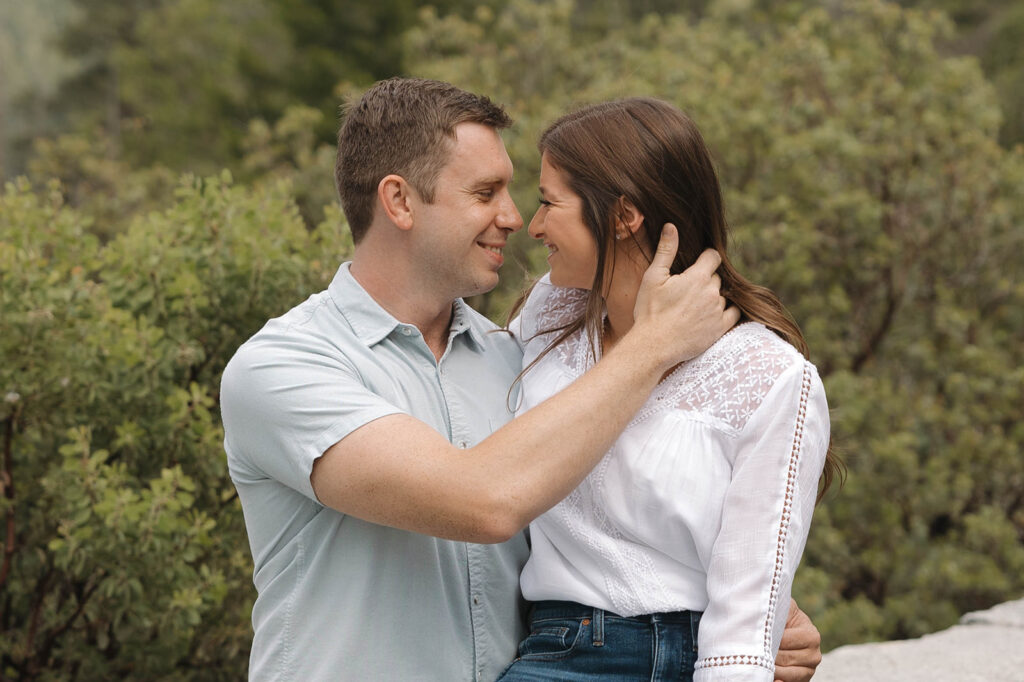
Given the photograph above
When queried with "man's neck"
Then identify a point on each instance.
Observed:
(404, 298)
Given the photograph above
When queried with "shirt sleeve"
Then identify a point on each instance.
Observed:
(284, 404)
(766, 516)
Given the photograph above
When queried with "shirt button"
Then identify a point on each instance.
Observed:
(406, 331)
(462, 444)
(476, 600)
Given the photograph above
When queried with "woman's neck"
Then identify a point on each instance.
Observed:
(619, 300)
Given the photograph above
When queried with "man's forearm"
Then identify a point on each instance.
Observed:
(399, 472)
(676, 318)
(541, 456)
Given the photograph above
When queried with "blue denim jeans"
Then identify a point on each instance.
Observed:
(570, 641)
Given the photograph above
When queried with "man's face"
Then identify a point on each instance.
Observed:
(461, 235)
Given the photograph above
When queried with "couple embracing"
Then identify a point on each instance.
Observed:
(616, 487)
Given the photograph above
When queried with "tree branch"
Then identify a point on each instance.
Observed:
(37, 608)
(7, 486)
(871, 347)
(52, 635)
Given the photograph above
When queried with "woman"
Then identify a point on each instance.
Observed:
(699, 512)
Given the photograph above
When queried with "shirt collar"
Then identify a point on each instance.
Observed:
(371, 323)
(463, 321)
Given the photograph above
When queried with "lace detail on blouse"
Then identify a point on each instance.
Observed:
(634, 565)
(560, 307)
(729, 381)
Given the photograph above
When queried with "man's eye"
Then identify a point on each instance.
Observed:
(486, 194)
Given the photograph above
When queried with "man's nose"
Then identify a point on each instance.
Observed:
(509, 217)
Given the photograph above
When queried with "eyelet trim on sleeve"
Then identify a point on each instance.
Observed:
(787, 505)
(765, 660)
(740, 659)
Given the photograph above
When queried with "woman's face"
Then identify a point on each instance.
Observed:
(572, 249)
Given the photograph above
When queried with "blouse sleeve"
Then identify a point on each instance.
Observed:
(779, 455)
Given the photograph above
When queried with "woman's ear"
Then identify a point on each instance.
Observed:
(395, 196)
(628, 219)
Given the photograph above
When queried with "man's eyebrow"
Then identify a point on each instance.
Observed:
(490, 182)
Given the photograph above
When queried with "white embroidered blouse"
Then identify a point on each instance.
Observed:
(703, 503)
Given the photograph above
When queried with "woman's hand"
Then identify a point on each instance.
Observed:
(800, 648)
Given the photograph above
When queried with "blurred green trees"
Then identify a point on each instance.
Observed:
(124, 548)
(865, 184)
(869, 181)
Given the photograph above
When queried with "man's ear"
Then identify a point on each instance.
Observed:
(395, 196)
(628, 220)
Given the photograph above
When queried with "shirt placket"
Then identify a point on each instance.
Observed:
(461, 432)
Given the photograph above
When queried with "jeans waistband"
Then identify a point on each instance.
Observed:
(570, 609)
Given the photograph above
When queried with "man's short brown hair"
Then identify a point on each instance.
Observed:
(403, 126)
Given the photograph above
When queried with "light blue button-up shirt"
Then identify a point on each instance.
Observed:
(340, 598)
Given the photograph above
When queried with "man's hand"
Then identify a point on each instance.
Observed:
(682, 315)
(800, 649)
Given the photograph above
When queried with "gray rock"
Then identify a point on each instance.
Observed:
(987, 646)
(1010, 614)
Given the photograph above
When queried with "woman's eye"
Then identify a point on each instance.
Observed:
(543, 202)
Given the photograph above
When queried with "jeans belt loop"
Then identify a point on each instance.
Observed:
(598, 627)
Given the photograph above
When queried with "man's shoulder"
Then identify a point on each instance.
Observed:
(313, 330)
(311, 321)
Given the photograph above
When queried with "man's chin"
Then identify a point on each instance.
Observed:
(482, 286)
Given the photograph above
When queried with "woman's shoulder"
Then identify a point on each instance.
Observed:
(732, 378)
(756, 347)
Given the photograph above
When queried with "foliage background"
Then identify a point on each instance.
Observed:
(169, 188)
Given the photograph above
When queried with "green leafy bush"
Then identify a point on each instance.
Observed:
(125, 553)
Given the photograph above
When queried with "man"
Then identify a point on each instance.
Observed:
(367, 430)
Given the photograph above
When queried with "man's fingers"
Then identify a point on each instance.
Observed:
(797, 641)
(707, 262)
(805, 656)
(800, 648)
(800, 633)
(730, 317)
(793, 674)
(668, 245)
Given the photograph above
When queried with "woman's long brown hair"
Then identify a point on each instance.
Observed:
(649, 152)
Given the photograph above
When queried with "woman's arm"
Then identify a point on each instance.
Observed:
(779, 454)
